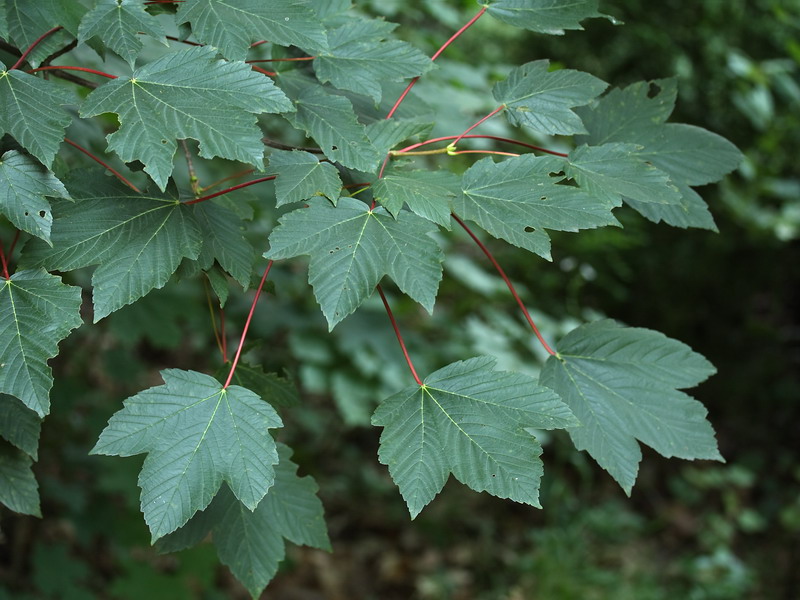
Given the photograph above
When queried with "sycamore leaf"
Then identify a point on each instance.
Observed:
(18, 488)
(3, 20)
(353, 247)
(219, 283)
(517, 198)
(361, 64)
(37, 311)
(387, 133)
(688, 155)
(223, 240)
(543, 100)
(472, 421)
(24, 183)
(20, 425)
(271, 387)
(196, 435)
(187, 94)
(117, 23)
(251, 543)
(622, 383)
(544, 16)
(232, 25)
(138, 241)
(301, 176)
(30, 111)
(330, 120)
(29, 19)
(615, 170)
(426, 193)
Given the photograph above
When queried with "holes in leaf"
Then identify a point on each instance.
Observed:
(163, 141)
(334, 148)
(42, 214)
(653, 90)
(529, 229)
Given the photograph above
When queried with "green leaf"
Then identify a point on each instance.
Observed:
(469, 420)
(387, 133)
(543, 100)
(613, 171)
(117, 23)
(219, 283)
(36, 312)
(688, 155)
(20, 425)
(232, 25)
(197, 435)
(18, 488)
(353, 247)
(138, 241)
(3, 20)
(251, 542)
(622, 383)
(301, 176)
(223, 239)
(361, 64)
(30, 110)
(426, 193)
(28, 20)
(544, 16)
(24, 183)
(187, 94)
(273, 388)
(330, 120)
(517, 198)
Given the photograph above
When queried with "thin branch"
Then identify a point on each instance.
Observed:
(281, 146)
(106, 165)
(508, 283)
(172, 38)
(247, 326)
(471, 127)
(298, 59)
(399, 335)
(453, 38)
(69, 68)
(33, 45)
(69, 47)
(4, 262)
(471, 136)
(455, 152)
(213, 319)
(263, 71)
(13, 244)
(193, 182)
(224, 179)
(231, 189)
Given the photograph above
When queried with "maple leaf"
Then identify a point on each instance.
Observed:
(543, 100)
(29, 19)
(272, 388)
(472, 421)
(302, 176)
(232, 25)
(196, 434)
(20, 425)
(37, 311)
(138, 241)
(251, 542)
(545, 16)
(622, 384)
(517, 198)
(187, 94)
(361, 63)
(224, 241)
(24, 183)
(117, 23)
(353, 247)
(18, 488)
(426, 193)
(30, 110)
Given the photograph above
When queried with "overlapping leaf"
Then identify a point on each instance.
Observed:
(117, 23)
(426, 193)
(187, 94)
(24, 183)
(362, 63)
(232, 25)
(18, 488)
(19, 425)
(301, 176)
(613, 171)
(622, 384)
(196, 435)
(223, 240)
(30, 110)
(331, 121)
(252, 543)
(271, 387)
(544, 16)
(353, 247)
(688, 155)
(37, 311)
(137, 240)
(543, 100)
(29, 19)
(516, 199)
(3, 20)
(472, 421)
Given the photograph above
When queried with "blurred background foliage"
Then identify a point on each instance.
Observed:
(690, 530)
